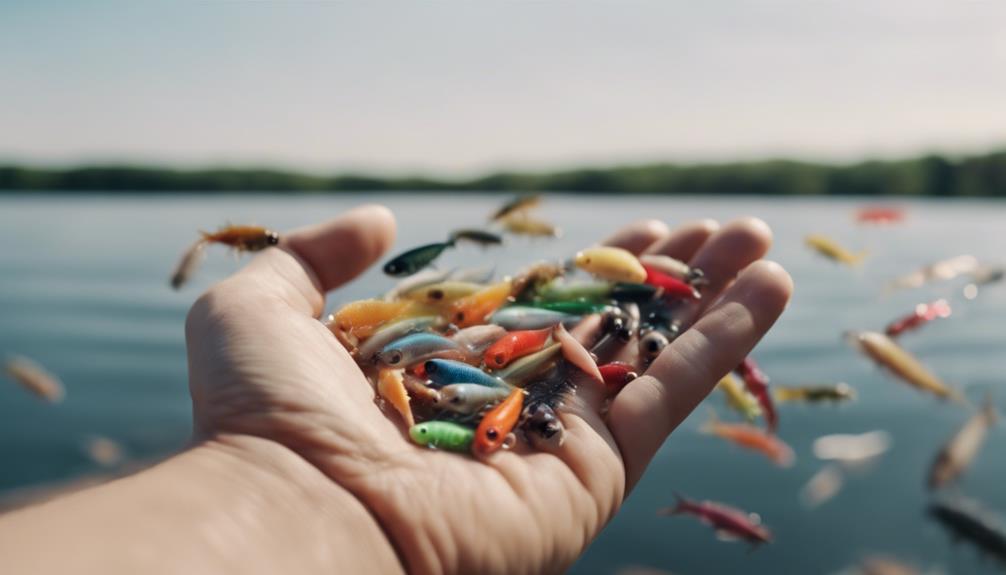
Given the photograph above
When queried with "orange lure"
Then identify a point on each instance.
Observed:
(473, 309)
(243, 238)
(362, 318)
(751, 437)
(497, 424)
(515, 344)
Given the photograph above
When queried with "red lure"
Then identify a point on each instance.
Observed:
(673, 287)
(756, 382)
(725, 520)
(924, 313)
(515, 344)
(617, 375)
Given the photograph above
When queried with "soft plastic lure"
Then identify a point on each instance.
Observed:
(443, 372)
(611, 263)
(513, 345)
(443, 435)
(497, 424)
(419, 347)
(475, 308)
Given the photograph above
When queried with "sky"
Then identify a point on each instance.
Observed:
(460, 87)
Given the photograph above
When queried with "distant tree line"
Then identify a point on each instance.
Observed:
(933, 175)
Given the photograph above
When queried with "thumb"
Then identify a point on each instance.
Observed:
(314, 260)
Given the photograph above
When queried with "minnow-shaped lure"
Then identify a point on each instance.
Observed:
(443, 293)
(970, 520)
(922, 314)
(519, 317)
(443, 372)
(879, 215)
(516, 205)
(617, 375)
(751, 437)
(677, 269)
(957, 454)
(494, 428)
(480, 237)
(525, 225)
(243, 238)
(575, 307)
(840, 391)
(756, 382)
(411, 261)
(391, 388)
(443, 435)
(888, 354)
(519, 372)
(831, 250)
(515, 344)
(477, 338)
(469, 398)
(391, 332)
(611, 263)
(363, 318)
(475, 308)
(624, 292)
(938, 271)
(739, 398)
(672, 287)
(729, 522)
(852, 450)
(35, 379)
(576, 354)
(419, 347)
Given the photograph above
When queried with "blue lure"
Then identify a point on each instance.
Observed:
(443, 372)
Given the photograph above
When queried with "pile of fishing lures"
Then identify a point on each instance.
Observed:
(471, 363)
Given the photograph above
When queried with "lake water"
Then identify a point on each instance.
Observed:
(83, 289)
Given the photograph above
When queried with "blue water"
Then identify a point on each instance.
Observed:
(83, 289)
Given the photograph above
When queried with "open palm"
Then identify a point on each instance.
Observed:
(262, 364)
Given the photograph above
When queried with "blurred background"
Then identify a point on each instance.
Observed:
(128, 126)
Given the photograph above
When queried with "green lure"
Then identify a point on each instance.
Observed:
(415, 259)
(575, 307)
(443, 435)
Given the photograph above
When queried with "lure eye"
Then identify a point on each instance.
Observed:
(436, 294)
(394, 357)
(492, 434)
(500, 359)
(272, 238)
(459, 317)
(422, 430)
(430, 367)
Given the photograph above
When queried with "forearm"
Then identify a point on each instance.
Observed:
(237, 504)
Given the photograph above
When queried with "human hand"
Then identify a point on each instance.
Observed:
(262, 365)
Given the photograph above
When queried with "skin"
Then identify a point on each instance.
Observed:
(293, 468)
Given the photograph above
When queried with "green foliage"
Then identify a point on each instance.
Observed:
(933, 175)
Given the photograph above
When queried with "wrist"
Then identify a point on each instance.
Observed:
(307, 520)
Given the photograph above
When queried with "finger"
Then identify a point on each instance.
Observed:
(651, 406)
(638, 235)
(316, 259)
(685, 240)
(729, 250)
(338, 251)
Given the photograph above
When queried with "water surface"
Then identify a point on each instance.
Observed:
(83, 289)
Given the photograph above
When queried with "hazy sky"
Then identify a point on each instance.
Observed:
(449, 86)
